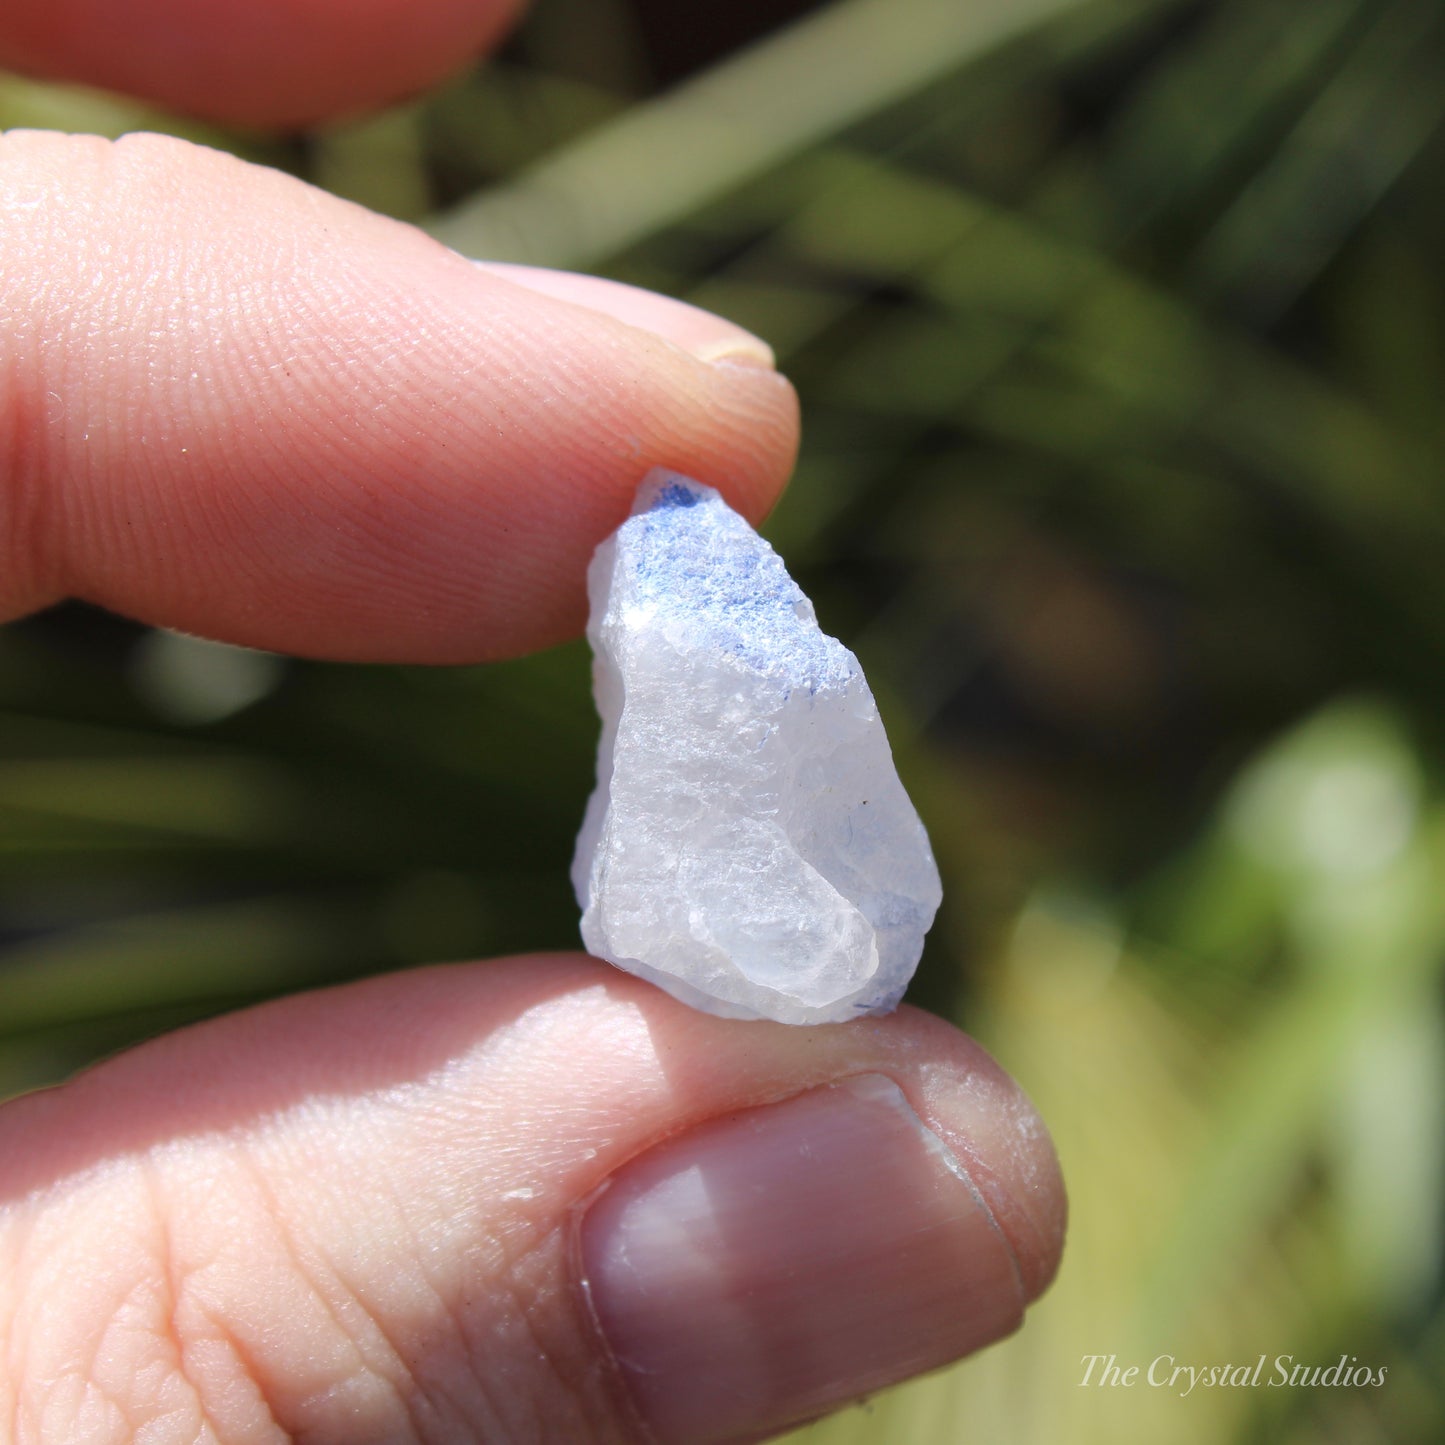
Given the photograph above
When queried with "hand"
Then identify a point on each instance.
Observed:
(532, 1199)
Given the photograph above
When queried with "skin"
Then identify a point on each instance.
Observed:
(281, 63)
(233, 405)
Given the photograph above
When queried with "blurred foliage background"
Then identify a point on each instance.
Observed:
(1120, 332)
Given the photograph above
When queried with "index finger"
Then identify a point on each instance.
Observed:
(235, 405)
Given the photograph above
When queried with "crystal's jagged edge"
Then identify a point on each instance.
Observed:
(748, 847)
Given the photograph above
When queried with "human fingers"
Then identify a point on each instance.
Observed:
(696, 331)
(528, 1200)
(240, 407)
(274, 63)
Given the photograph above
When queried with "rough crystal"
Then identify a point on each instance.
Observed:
(749, 847)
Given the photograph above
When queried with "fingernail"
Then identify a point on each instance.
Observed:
(741, 348)
(768, 1267)
(707, 336)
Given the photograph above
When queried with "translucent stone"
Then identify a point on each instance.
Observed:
(749, 847)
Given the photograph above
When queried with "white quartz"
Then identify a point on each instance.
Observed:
(749, 847)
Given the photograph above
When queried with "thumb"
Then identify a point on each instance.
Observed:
(530, 1200)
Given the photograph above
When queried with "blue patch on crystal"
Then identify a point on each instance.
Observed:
(694, 560)
(675, 494)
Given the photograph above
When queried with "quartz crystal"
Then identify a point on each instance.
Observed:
(749, 847)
